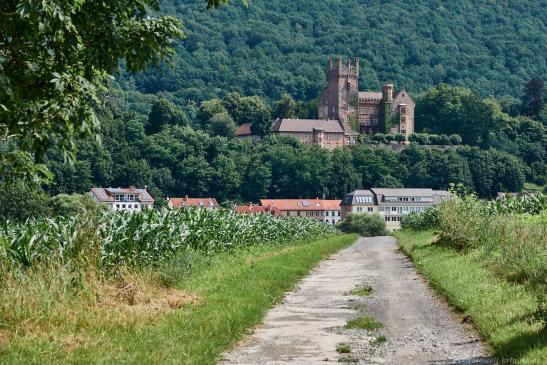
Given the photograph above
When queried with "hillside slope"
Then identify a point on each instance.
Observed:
(273, 46)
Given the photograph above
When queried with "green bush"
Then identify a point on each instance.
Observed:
(366, 225)
(428, 219)
(68, 205)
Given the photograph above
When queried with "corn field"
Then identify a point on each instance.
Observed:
(525, 204)
(149, 237)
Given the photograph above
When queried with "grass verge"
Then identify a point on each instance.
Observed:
(504, 313)
(207, 309)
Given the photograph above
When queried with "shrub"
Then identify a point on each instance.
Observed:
(455, 139)
(68, 205)
(379, 137)
(443, 140)
(366, 225)
(419, 138)
(428, 219)
(388, 138)
(399, 137)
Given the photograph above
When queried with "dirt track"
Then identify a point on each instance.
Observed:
(308, 325)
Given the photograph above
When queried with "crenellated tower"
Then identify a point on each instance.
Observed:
(337, 99)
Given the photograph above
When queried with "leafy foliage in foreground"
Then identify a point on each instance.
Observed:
(149, 237)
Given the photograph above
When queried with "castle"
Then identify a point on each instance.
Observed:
(372, 112)
(344, 112)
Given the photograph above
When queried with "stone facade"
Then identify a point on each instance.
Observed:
(342, 100)
(329, 134)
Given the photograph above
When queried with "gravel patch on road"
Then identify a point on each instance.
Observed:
(308, 325)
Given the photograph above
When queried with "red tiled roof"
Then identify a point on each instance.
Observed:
(193, 202)
(244, 130)
(256, 209)
(302, 204)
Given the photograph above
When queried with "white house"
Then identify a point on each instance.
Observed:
(128, 199)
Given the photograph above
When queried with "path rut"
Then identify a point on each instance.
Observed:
(308, 325)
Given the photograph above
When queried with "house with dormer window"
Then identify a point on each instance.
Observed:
(127, 199)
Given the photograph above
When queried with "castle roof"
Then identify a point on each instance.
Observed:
(370, 95)
(307, 125)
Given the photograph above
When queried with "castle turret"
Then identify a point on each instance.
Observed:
(336, 100)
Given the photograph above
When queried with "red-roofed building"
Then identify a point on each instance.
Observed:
(257, 209)
(129, 199)
(326, 210)
(244, 131)
(186, 202)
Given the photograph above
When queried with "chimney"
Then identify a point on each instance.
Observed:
(357, 65)
(387, 93)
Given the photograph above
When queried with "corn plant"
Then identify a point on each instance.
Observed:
(148, 237)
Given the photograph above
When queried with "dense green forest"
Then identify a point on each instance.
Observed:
(276, 46)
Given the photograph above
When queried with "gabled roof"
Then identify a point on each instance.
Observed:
(356, 197)
(256, 209)
(302, 204)
(402, 192)
(193, 202)
(105, 195)
(244, 130)
(370, 95)
(307, 125)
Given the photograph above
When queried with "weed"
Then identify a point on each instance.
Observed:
(378, 340)
(364, 291)
(348, 359)
(365, 322)
(343, 348)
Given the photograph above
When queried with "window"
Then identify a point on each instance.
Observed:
(393, 209)
(370, 209)
(123, 206)
(339, 214)
(386, 219)
(326, 213)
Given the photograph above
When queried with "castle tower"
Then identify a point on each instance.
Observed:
(338, 100)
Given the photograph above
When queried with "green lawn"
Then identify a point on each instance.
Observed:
(502, 312)
(233, 293)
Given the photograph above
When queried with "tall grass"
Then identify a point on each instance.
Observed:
(149, 237)
(515, 245)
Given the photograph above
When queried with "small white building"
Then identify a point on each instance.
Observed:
(128, 199)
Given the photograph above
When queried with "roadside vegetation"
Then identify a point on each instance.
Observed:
(366, 225)
(175, 286)
(488, 259)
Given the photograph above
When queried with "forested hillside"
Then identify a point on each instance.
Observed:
(493, 47)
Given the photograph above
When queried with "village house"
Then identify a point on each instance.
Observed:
(127, 199)
(252, 209)
(186, 202)
(391, 204)
(326, 210)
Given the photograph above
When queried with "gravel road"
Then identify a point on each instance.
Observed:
(308, 325)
